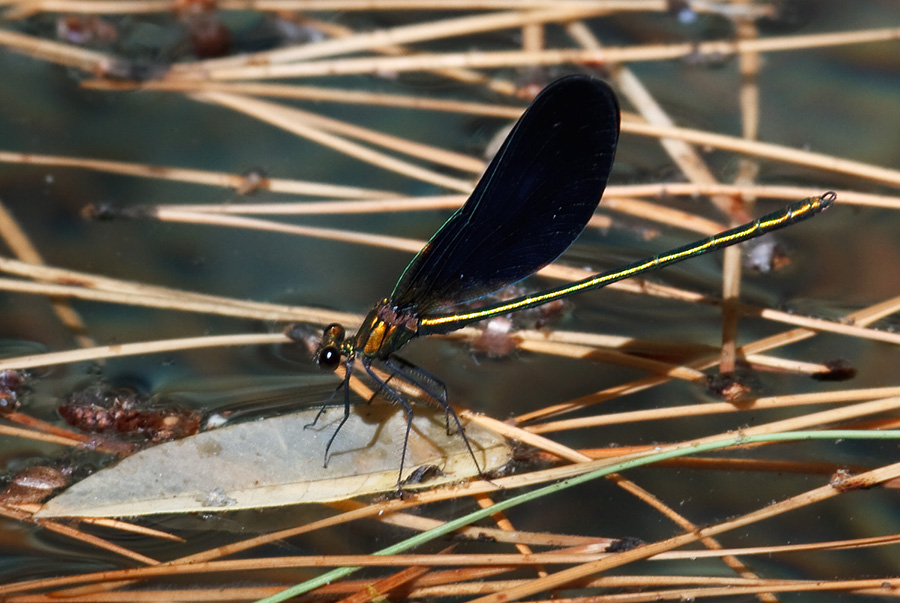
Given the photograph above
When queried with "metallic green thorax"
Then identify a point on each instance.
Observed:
(383, 332)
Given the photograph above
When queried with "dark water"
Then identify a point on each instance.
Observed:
(841, 101)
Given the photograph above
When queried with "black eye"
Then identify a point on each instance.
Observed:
(329, 355)
(329, 358)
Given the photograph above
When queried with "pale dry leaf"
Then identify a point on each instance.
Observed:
(279, 461)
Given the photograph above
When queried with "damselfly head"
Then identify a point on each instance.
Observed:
(328, 356)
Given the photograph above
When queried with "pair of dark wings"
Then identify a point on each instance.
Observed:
(535, 198)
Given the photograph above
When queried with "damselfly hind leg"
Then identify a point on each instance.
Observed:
(433, 387)
(434, 392)
(389, 393)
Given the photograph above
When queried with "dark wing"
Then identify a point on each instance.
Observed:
(534, 200)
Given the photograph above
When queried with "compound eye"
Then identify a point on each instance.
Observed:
(329, 358)
(329, 354)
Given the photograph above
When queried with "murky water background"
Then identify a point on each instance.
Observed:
(841, 101)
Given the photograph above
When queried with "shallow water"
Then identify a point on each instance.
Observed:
(839, 101)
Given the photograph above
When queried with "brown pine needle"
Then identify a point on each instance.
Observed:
(861, 317)
(384, 241)
(500, 59)
(43, 431)
(273, 312)
(316, 93)
(380, 589)
(208, 178)
(131, 527)
(82, 537)
(564, 577)
(151, 6)
(286, 118)
(318, 207)
(405, 146)
(617, 198)
(30, 434)
(22, 247)
(89, 61)
(712, 408)
(406, 34)
(770, 151)
(643, 552)
(421, 524)
(150, 347)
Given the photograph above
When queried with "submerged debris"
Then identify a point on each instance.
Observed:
(124, 412)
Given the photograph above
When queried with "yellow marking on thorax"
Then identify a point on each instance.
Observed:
(376, 338)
